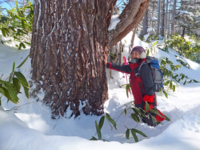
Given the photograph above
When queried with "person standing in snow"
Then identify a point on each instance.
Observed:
(142, 85)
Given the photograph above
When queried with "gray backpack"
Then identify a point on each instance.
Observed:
(157, 74)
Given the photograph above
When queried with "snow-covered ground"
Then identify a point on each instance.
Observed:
(29, 125)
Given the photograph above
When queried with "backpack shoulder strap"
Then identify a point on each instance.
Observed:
(139, 68)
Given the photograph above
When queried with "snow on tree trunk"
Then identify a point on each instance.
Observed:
(69, 43)
(68, 47)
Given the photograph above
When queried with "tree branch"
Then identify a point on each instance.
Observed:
(129, 19)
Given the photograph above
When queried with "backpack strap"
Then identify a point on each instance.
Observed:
(139, 68)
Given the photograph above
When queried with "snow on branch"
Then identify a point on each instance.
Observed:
(127, 21)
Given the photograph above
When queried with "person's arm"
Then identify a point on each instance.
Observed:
(121, 68)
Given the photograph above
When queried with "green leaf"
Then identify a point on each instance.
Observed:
(195, 81)
(28, 43)
(111, 121)
(98, 130)
(136, 111)
(16, 84)
(156, 112)
(125, 111)
(165, 93)
(155, 43)
(174, 88)
(140, 132)
(127, 133)
(171, 86)
(21, 45)
(185, 82)
(5, 31)
(12, 93)
(134, 135)
(13, 67)
(147, 106)
(135, 117)
(16, 3)
(93, 139)
(101, 122)
(5, 92)
(166, 118)
(22, 79)
(23, 61)
(26, 92)
(104, 140)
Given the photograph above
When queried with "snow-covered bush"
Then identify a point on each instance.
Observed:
(188, 16)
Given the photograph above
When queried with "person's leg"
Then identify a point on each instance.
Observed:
(149, 119)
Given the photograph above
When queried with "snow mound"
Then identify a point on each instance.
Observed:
(31, 127)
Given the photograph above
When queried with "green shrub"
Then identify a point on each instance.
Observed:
(18, 23)
(184, 48)
(11, 88)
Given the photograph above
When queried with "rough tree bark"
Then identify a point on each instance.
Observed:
(69, 43)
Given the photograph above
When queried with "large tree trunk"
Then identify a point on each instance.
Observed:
(69, 41)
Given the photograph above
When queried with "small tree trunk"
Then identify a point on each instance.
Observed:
(133, 39)
(166, 20)
(163, 18)
(145, 23)
(173, 18)
(183, 32)
(158, 22)
(152, 14)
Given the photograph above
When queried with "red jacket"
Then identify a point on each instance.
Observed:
(142, 86)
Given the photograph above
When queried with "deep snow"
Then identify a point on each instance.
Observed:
(31, 126)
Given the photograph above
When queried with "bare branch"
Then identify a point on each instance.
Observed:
(129, 19)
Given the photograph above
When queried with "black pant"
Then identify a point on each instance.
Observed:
(149, 119)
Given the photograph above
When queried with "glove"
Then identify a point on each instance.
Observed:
(149, 100)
